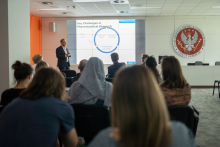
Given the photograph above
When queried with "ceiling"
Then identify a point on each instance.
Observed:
(110, 8)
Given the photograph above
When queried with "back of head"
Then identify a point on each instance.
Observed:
(144, 57)
(82, 64)
(152, 64)
(114, 57)
(172, 73)
(138, 108)
(37, 58)
(47, 82)
(22, 70)
(41, 64)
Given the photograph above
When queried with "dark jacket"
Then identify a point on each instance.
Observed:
(62, 57)
(113, 68)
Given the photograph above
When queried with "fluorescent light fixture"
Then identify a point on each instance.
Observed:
(216, 7)
(54, 9)
(146, 7)
(97, 14)
(89, 1)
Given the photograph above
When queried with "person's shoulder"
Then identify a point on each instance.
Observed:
(6, 92)
(181, 135)
(59, 48)
(122, 63)
(103, 139)
(111, 66)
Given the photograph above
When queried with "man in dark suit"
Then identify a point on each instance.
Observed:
(116, 65)
(63, 55)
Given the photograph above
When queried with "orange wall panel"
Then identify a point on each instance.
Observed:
(35, 36)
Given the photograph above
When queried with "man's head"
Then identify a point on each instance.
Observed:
(82, 64)
(114, 57)
(37, 58)
(63, 42)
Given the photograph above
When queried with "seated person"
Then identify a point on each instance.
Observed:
(116, 65)
(80, 67)
(37, 117)
(41, 64)
(91, 88)
(23, 76)
(174, 86)
(36, 59)
(152, 64)
(139, 115)
(144, 58)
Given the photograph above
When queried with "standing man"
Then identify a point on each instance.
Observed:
(63, 55)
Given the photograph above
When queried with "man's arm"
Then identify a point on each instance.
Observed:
(69, 139)
(69, 55)
(59, 55)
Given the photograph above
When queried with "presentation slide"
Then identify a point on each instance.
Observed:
(100, 38)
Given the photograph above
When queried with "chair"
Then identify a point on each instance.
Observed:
(69, 81)
(217, 63)
(198, 63)
(184, 114)
(63, 74)
(109, 79)
(69, 73)
(216, 81)
(90, 119)
(1, 108)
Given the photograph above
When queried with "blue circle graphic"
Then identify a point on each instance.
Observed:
(117, 43)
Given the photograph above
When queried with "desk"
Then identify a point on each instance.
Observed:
(201, 75)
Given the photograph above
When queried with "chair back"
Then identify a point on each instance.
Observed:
(69, 81)
(63, 74)
(198, 63)
(1, 108)
(69, 73)
(109, 79)
(217, 63)
(184, 114)
(90, 119)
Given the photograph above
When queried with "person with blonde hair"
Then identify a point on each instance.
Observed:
(36, 59)
(139, 114)
(39, 115)
(175, 88)
(41, 64)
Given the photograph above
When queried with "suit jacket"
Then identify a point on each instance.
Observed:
(62, 57)
(113, 68)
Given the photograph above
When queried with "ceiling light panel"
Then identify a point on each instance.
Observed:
(106, 8)
(121, 7)
(137, 1)
(90, 8)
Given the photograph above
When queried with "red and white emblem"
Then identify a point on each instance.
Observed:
(189, 41)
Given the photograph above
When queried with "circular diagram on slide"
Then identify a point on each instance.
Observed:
(106, 40)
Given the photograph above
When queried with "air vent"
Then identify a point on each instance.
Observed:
(124, 12)
(47, 3)
(119, 1)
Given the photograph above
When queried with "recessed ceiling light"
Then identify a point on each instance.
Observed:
(215, 6)
(146, 7)
(54, 9)
(89, 1)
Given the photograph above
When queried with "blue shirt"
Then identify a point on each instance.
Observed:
(35, 123)
(181, 137)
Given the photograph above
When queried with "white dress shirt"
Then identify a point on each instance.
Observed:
(65, 53)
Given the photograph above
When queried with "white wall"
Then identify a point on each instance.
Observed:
(159, 34)
(160, 31)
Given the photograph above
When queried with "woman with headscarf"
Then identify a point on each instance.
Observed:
(91, 88)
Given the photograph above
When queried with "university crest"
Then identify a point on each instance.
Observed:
(189, 41)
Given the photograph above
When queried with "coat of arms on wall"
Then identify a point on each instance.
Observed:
(189, 41)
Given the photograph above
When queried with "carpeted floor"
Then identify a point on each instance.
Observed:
(208, 132)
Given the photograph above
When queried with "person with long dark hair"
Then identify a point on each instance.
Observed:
(139, 114)
(23, 76)
(175, 88)
(152, 64)
(39, 114)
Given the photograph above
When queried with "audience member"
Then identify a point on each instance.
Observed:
(23, 76)
(36, 59)
(139, 115)
(91, 88)
(39, 115)
(174, 86)
(152, 64)
(144, 58)
(41, 64)
(116, 65)
(80, 67)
